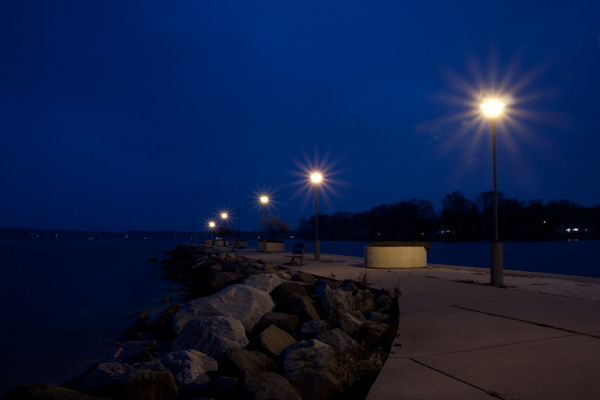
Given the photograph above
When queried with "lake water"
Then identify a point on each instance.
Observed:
(63, 302)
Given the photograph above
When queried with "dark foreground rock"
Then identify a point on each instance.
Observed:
(246, 330)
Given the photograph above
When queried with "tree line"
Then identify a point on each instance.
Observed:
(460, 219)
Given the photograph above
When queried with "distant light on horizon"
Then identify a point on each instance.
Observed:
(492, 108)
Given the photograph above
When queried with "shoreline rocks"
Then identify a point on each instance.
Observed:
(248, 330)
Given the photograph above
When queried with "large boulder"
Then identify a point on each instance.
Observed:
(245, 303)
(301, 306)
(238, 362)
(273, 341)
(46, 392)
(310, 329)
(335, 302)
(339, 341)
(266, 386)
(364, 301)
(350, 323)
(189, 366)
(144, 381)
(286, 322)
(266, 282)
(211, 335)
(310, 366)
(288, 288)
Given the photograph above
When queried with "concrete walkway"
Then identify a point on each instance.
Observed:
(458, 340)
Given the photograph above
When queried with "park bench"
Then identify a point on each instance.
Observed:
(297, 253)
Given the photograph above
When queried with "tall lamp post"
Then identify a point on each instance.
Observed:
(264, 200)
(212, 225)
(316, 178)
(224, 217)
(493, 108)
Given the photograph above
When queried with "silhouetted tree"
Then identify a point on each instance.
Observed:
(459, 214)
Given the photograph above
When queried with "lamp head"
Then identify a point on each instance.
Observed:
(264, 199)
(492, 108)
(316, 177)
(224, 215)
(211, 224)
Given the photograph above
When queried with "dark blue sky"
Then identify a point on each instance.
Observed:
(152, 115)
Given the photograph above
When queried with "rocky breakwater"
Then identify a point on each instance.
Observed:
(248, 330)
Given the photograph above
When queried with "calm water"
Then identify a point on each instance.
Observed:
(63, 302)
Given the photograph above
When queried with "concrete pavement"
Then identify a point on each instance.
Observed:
(459, 340)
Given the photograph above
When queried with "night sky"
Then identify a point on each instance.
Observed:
(118, 115)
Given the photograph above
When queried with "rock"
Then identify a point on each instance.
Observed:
(310, 329)
(268, 267)
(303, 277)
(266, 386)
(216, 281)
(136, 323)
(238, 362)
(159, 327)
(382, 300)
(211, 335)
(272, 341)
(339, 341)
(287, 289)
(350, 286)
(349, 323)
(286, 322)
(375, 331)
(379, 317)
(46, 392)
(335, 302)
(300, 306)
(309, 367)
(189, 366)
(242, 302)
(364, 301)
(137, 351)
(146, 381)
(286, 276)
(266, 282)
(221, 387)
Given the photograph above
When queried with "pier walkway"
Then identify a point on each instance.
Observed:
(461, 340)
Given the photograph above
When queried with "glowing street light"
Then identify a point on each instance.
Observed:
(224, 217)
(316, 178)
(492, 109)
(264, 200)
(212, 225)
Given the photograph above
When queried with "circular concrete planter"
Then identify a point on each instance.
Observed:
(395, 257)
(271, 246)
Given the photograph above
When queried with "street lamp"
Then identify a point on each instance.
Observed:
(316, 178)
(493, 108)
(224, 217)
(264, 200)
(212, 225)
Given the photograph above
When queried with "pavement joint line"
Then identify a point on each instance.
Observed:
(528, 322)
(491, 394)
(483, 348)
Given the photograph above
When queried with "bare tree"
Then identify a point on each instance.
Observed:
(275, 224)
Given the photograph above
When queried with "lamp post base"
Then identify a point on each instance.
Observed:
(317, 250)
(497, 278)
